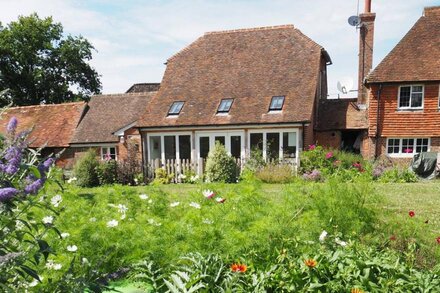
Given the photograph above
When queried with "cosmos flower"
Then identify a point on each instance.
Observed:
(47, 220)
(72, 248)
(112, 223)
(56, 200)
(208, 193)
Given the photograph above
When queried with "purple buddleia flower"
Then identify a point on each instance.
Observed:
(34, 187)
(7, 193)
(12, 125)
(13, 157)
(45, 166)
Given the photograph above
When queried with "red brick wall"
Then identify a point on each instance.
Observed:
(328, 139)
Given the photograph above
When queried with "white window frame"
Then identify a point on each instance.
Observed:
(439, 96)
(280, 132)
(162, 144)
(402, 154)
(227, 134)
(410, 97)
(108, 151)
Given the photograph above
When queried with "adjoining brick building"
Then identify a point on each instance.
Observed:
(404, 108)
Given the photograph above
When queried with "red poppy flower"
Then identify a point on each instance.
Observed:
(438, 240)
(240, 268)
(411, 214)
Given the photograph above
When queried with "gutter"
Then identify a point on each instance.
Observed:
(379, 91)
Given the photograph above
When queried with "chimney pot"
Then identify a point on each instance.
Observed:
(367, 6)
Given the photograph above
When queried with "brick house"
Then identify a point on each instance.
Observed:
(53, 127)
(108, 125)
(404, 108)
(246, 88)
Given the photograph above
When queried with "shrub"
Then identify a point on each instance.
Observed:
(161, 177)
(398, 175)
(275, 173)
(86, 170)
(220, 166)
(129, 169)
(107, 171)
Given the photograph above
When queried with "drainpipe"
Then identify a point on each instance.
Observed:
(379, 91)
(303, 134)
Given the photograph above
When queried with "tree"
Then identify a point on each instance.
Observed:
(38, 64)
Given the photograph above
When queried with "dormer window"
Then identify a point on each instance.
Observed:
(276, 104)
(175, 108)
(225, 106)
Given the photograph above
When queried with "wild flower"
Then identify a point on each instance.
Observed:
(207, 221)
(47, 220)
(323, 236)
(49, 264)
(7, 193)
(56, 200)
(238, 268)
(71, 180)
(329, 155)
(340, 242)
(174, 204)
(220, 200)
(312, 147)
(358, 166)
(411, 213)
(72, 248)
(65, 235)
(112, 223)
(315, 175)
(311, 263)
(195, 205)
(143, 196)
(208, 193)
(57, 267)
(122, 208)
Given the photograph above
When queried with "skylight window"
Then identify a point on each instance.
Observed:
(225, 106)
(276, 103)
(175, 108)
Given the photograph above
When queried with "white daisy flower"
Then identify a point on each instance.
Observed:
(57, 266)
(65, 235)
(72, 248)
(174, 204)
(323, 236)
(195, 205)
(122, 208)
(143, 196)
(48, 220)
(50, 263)
(56, 200)
(112, 223)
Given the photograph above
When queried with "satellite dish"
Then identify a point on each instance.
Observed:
(345, 85)
(353, 20)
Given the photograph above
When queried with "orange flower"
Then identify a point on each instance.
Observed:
(356, 290)
(238, 268)
(311, 263)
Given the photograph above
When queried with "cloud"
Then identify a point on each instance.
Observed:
(134, 38)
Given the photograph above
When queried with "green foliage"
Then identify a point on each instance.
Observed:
(220, 166)
(275, 173)
(398, 175)
(86, 170)
(130, 169)
(39, 64)
(106, 172)
(162, 177)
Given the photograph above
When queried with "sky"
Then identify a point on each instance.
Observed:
(134, 38)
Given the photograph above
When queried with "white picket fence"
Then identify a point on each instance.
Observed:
(178, 167)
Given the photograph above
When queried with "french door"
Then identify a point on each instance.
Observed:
(232, 140)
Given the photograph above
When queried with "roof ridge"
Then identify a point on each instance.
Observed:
(125, 94)
(261, 28)
(45, 105)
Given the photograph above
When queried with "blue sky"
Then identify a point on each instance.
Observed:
(134, 38)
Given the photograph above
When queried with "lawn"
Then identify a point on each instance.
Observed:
(117, 226)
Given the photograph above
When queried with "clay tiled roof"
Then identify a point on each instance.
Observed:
(417, 56)
(340, 114)
(144, 87)
(249, 65)
(109, 113)
(53, 125)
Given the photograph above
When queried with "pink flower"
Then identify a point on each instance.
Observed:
(411, 213)
(312, 147)
(329, 155)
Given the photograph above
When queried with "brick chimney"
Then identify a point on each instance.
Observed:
(432, 11)
(366, 36)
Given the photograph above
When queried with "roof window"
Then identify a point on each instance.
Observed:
(276, 104)
(175, 108)
(225, 106)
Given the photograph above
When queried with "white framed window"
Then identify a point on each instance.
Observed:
(109, 153)
(411, 97)
(169, 146)
(275, 143)
(407, 147)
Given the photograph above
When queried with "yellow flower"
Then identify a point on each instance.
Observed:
(311, 263)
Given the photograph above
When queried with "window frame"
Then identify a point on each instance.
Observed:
(281, 132)
(109, 152)
(401, 153)
(225, 111)
(410, 97)
(171, 107)
(271, 102)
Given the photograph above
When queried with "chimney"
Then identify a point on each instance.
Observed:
(432, 11)
(366, 36)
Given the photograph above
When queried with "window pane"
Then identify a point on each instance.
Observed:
(404, 96)
(393, 146)
(422, 145)
(220, 139)
(170, 147)
(236, 146)
(185, 147)
(256, 141)
(276, 103)
(289, 144)
(417, 88)
(155, 147)
(175, 108)
(225, 105)
(204, 146)
(273, 145)
(416, 100)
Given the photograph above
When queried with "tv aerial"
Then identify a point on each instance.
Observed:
(354, 20)
(345, 85)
